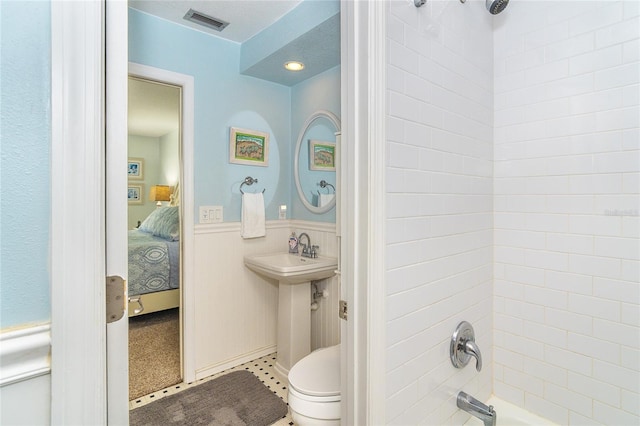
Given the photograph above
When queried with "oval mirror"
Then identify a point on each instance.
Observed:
(314, 165)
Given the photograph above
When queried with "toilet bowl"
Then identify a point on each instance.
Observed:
(314, 388)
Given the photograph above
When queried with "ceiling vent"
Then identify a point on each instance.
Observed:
(207, 21)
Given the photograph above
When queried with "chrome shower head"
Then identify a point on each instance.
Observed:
(496, 6)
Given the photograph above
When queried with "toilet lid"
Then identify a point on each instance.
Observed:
(317, 374)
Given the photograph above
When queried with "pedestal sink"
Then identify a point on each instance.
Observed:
(294, 274)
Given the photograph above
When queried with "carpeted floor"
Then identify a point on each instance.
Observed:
(235, 399)
(154, 352)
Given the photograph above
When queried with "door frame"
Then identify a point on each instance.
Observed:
(187, 307)
(79, 379)
(362, 180)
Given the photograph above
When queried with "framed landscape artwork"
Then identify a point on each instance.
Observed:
(249, 147)
(322, 155)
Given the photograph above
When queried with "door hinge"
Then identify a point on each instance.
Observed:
(115, 298)
(343, 310)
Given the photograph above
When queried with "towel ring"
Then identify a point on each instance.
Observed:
(324, 184)
(249, 181)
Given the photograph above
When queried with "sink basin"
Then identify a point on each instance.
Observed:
(291, 268)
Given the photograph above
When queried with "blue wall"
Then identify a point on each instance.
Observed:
(25, 145)
(224, 98)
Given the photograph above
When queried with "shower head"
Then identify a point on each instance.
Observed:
(496, 6)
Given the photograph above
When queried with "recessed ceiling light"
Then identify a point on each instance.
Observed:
(294, 66)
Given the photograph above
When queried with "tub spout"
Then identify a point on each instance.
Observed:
(472, 349)
(477, 409)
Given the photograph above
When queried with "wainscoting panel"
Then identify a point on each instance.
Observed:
(235, 308)
(27, 402)
(25, 370)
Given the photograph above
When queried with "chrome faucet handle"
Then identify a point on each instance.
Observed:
(470, 348)
(314, 251)
(463, 346)
(307, 251)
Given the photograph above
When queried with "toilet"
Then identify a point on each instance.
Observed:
(314, 388)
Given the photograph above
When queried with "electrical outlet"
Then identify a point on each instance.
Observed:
(204, 214)
(282, 212)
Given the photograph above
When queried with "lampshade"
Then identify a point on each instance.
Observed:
(160, 193)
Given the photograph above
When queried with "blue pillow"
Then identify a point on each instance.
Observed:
(164, 222)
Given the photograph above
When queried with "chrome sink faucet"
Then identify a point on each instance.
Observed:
(306, 248)
(476, 408)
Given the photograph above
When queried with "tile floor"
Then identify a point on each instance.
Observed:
(263, 368)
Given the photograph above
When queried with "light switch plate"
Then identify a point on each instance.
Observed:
(216, 214)
(211, 214)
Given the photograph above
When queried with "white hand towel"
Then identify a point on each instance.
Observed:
(326, 199)
(253, 222)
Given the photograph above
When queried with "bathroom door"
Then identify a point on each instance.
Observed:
(116, 205)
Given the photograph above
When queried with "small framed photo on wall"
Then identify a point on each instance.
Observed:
(134, 168)
(248, 147)
(322, 155)
(135, 193)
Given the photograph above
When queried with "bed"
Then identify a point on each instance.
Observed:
(154, 263)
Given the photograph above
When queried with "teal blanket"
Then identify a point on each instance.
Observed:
(153, 263)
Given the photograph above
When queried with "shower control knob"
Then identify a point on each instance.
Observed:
(463, 346)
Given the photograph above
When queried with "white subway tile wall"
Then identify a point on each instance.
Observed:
(439, 223)
(567, 156)
(513, 152)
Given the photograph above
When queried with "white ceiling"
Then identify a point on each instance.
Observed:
(245, 17)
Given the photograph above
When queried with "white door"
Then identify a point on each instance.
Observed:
(116, 204)
(78, 174)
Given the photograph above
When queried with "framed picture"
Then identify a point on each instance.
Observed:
(135, 193)
(249, 147)
(134, 168)
(322, 155)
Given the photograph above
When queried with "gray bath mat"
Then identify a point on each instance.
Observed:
(235, 399)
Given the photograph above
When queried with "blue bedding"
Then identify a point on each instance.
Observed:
(153, 263)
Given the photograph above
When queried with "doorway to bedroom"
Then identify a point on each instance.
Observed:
(154, 243)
